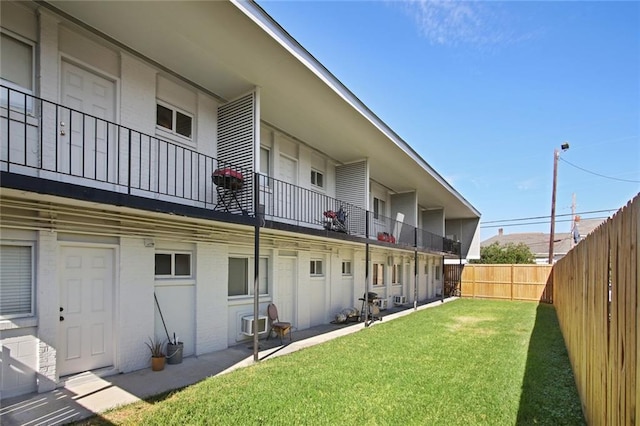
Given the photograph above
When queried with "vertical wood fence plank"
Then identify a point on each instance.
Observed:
(596, 293)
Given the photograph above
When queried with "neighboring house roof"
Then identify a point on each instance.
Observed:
(538, 242)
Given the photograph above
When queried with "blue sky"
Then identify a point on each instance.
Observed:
(485, 91)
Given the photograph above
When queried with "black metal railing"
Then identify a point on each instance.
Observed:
(51, 141)
(284, 202)
(48, 140)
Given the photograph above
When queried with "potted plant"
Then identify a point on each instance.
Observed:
(156, 346)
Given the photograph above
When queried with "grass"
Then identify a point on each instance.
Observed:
(465, 362)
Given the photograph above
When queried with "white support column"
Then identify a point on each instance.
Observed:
(212, 265)
(47, 308)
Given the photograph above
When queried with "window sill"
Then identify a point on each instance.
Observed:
(243, 300)
(174, 281)
(169, 136)
(14, 323)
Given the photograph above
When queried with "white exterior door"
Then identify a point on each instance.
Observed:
(286, 292)
(87, 145)
(286, 204)
(341, 294)
(86, 309)
(422, 286)
(318, 304)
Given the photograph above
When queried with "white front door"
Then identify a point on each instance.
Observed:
(318, 305)
(285, 298)
(86, 309)
(87, 143)
(286, 204)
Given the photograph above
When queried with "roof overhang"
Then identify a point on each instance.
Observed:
(297, 94)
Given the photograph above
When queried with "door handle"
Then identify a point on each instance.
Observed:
(61, 318)
(61, 309)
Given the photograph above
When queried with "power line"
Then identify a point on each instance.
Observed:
(547, 217)
(544, 222)
(598, 174)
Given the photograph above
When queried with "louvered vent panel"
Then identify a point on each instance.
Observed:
(351, 187)
(351, 183)
(236, 121)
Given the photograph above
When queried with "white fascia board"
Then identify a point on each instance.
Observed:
(258, 15)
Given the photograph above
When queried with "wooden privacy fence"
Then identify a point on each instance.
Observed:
(596, 298)
(511, 282)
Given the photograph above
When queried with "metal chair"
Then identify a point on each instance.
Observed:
(280, 327)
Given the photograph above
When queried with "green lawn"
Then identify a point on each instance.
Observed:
(465, 362)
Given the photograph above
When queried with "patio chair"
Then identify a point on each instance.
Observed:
(280, 327)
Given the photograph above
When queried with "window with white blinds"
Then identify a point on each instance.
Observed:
(16, 280)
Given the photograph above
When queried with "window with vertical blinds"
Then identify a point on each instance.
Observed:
(16, 280)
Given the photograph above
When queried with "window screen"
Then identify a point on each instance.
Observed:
(16, 281)
(238, 279)
(16, 62)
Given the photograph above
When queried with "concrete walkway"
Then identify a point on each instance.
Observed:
(87, 394)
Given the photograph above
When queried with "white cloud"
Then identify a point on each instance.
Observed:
(450, 22)
(527, 184)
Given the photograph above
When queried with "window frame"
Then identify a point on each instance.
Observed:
(348, 271)
(173, 275)
(396, 274)
(314, 265)
(379, 205)
(31, 246)
(162, 130)
(20, 106)
(436, 273)
(315, 173)
(249, 273)
(265, 178)
(377, 273)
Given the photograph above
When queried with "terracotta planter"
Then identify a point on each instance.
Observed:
(157, 363)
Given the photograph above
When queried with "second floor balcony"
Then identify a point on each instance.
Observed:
(44, 142)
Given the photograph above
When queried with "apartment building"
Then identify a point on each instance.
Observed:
(159, 157)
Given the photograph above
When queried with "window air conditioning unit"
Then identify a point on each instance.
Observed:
(382, 303)
(249, 325)
(399, 300)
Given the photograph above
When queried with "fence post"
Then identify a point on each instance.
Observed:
(512, 281)
(473, 283)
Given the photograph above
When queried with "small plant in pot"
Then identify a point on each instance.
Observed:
(156, 346)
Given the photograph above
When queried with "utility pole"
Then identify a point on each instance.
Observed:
(556, 156)
(573, 218)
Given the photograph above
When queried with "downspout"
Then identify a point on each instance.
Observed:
(459, 277)
(442, 279)
(366, 272)
(256, 263)
(415, 270)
